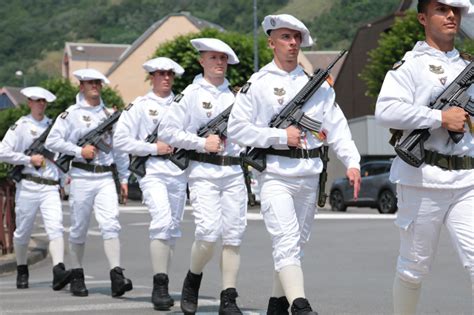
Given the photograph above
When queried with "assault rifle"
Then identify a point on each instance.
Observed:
(292, 114)
(37, 147)
(93, 137)
(216, 126)
(138, 163)
(411, 149)
(323, 177)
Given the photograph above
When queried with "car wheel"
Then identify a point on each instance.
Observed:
(336, 200)
(387, 202)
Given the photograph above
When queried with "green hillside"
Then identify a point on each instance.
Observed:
(32, 32)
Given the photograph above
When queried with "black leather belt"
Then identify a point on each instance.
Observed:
(296, 153)
(164, 156)
(92, 167)
(449, 162)
(215, 159)
(39, 180)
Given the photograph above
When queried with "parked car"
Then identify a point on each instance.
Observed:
(376, 189)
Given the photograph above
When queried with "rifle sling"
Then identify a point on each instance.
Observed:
(293, 153)
(449, 162)
(39, 180)
(93, 168)
(215, 159)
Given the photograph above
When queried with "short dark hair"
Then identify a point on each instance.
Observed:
(422, 5)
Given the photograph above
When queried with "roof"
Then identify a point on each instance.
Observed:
(199, 23)
(14, 95)
(95, 51)
(322, 59)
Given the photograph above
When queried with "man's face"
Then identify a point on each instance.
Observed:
(441, 21)
(162, 81)
(285, 43)
(91, 89)
(214, 63)
(37, 107)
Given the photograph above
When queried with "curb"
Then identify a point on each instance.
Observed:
(37, 251)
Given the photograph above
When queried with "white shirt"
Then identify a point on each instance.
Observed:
(137, 123)
(18, 138)
(201, 102)
(270, 90)
(403, 104)
(74, 123)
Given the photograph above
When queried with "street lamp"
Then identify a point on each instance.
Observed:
(82, 50)
(20, 75)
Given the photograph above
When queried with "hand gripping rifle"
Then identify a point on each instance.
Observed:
(93, 137)
(138, 163)
(216, 126)
(411, 149)
(37, 147)
(292, 114)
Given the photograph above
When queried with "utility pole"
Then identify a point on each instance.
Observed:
(255, 37)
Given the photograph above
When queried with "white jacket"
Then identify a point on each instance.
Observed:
(403, 102)
(136, 123)
(270, 90)
(74, 123)
(18, 138)
(200, 102)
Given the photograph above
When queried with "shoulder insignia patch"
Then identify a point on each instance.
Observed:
(398, 64)
(178, 97)
(13, 127)
(245, 88)
(128, 106)
(466, 56)
(64, 115)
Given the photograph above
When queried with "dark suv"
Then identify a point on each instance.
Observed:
(376, 190)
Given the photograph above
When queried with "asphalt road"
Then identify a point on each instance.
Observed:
(348, 264)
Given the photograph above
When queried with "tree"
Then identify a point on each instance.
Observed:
(405, 32)
(181, 51)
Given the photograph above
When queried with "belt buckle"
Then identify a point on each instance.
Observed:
(222, 160)
(95, 168)
(450, 162)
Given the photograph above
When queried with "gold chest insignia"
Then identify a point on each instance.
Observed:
(152, 112)
(443, 80)
(436, 69)
(33, 132)
(279, 91)
(206, 105)
(208, 114)
(86, 118)
(281, 100)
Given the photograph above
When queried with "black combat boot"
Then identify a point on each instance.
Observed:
(120, 284)
(22, 277)
(278, 306)
(190, 293)
(160, 296)
(228, 305)
(78, 287)
(61, 277)
(301, 306)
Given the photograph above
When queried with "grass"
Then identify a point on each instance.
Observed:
(306, 10)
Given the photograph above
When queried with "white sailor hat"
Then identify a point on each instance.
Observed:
(465, 5)
(90, 74)
(163, 63)
(273, 22)
(37, 93)
(214, 44)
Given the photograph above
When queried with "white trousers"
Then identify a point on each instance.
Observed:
(220, 208)
(47, 199)
(100, 195)
(288, 207)
(421, 214)
(165, 197)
